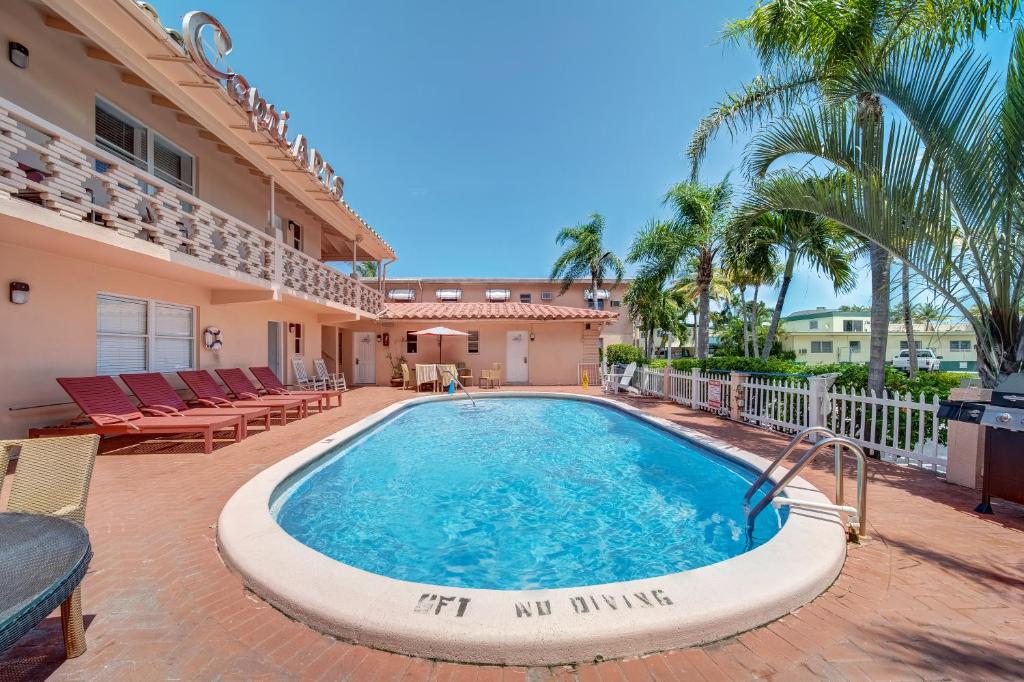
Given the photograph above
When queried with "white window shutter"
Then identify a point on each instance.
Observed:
(121, 328)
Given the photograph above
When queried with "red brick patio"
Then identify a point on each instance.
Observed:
(937, 593)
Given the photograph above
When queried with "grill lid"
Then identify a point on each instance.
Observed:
(1010, 391)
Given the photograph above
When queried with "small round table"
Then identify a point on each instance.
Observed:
(42, 561)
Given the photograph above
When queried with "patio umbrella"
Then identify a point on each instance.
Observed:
(440, 333)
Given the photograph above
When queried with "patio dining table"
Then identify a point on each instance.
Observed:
(437, 374)
(42, 560)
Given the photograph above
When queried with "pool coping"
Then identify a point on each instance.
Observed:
(528, 627)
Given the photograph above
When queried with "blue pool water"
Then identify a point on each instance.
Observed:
(522, 493)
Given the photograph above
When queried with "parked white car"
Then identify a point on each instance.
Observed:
(927, 360)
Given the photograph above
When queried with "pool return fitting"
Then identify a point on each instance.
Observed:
(856, 516)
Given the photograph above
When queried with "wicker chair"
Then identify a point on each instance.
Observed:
(491, 376)
(52, 478)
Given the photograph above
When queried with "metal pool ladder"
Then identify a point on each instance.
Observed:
(458, 383)
(856, 516)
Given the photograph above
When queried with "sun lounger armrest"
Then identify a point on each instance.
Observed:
(162, 411)
(277, 391)
(215, 401)
(116, 418)
(246, 395)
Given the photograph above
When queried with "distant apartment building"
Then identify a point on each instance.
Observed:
(827, 335)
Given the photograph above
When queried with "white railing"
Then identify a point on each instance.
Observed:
(48, 166)
(592, 370)
(902, 429)
(897, 428)
(778, 402)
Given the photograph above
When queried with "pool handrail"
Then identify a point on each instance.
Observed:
(840, 442)
(455, 380)
(797, 439)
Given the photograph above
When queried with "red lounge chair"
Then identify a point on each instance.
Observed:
(273, 386)
(112, 414)
(156, 393)
(206, 389)
(242, 388)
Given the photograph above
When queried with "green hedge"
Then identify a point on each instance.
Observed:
(850, 375)
(623, 354)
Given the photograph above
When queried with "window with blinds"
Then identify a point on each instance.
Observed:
(121, 135)
(136, 335)
(171, 164)
(127, 138)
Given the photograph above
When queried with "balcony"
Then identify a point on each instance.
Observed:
(47, 166)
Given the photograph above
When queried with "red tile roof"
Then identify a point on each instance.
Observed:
(491, 311)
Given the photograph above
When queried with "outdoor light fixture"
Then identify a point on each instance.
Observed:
(532, 337)
(18, 54)
(378, 338)
(19, 293)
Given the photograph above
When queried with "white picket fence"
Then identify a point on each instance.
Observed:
(901, 429)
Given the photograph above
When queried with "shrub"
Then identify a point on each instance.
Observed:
(623, 354)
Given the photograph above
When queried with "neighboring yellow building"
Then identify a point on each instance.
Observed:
(826, 335)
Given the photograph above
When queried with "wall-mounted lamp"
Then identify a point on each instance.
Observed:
(378, 338)
(532, 337)
(19, 293)
(18, 54)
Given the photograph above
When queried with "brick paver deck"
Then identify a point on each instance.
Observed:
(937, 593)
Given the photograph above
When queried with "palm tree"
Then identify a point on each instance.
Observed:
(806, 46)
(907, 311)
(585, 257)
(654, 306)
(751, 260)
(366, 269)
(942, 187)
(694, 234)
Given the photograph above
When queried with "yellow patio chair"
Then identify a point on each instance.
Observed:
(406, 377)
(491, 376)
(52, 477)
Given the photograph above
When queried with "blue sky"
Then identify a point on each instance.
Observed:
(468, 133)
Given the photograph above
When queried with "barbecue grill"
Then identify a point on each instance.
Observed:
(1003, 419)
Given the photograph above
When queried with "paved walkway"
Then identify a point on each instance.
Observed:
(938, 593)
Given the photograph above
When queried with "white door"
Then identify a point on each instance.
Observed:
(365, 352)
(517, 354)
(275, 353)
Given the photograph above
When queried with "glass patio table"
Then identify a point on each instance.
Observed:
(42, 561)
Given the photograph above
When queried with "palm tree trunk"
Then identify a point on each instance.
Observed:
(703, 313)
(908, 321)
(773, 327)
(593, 291)
(753, 321)
(880, 266)
(746, 319)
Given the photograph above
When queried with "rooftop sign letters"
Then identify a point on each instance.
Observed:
(262, 115)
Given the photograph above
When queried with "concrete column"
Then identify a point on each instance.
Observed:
(965, 443)
(736, 380)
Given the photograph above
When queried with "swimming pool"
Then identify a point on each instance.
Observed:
(545, 529)
(522, 493)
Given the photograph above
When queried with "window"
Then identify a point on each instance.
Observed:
(547, 296)
(854, 347)
(411, 344)
(449, 295)
(600, 304)
(821, 346)
(127, 138)
(905, 346)
(497, 295)
(136, 335)
(294, 235)
(616, 304)
(853, 326)
(297, 337)
(959, 346)
(401, 294)
(525, 298)
(813, 324)
(474, 342)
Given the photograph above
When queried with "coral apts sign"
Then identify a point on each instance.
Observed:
(262, 115)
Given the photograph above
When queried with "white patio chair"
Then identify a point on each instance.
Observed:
(302, 378)
(611, 382)
(333, 381)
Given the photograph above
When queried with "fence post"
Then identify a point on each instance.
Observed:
(736, 379)
(665, 381)
(694, 387)
(816, 407)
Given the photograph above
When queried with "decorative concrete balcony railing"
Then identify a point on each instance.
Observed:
(48, 166)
